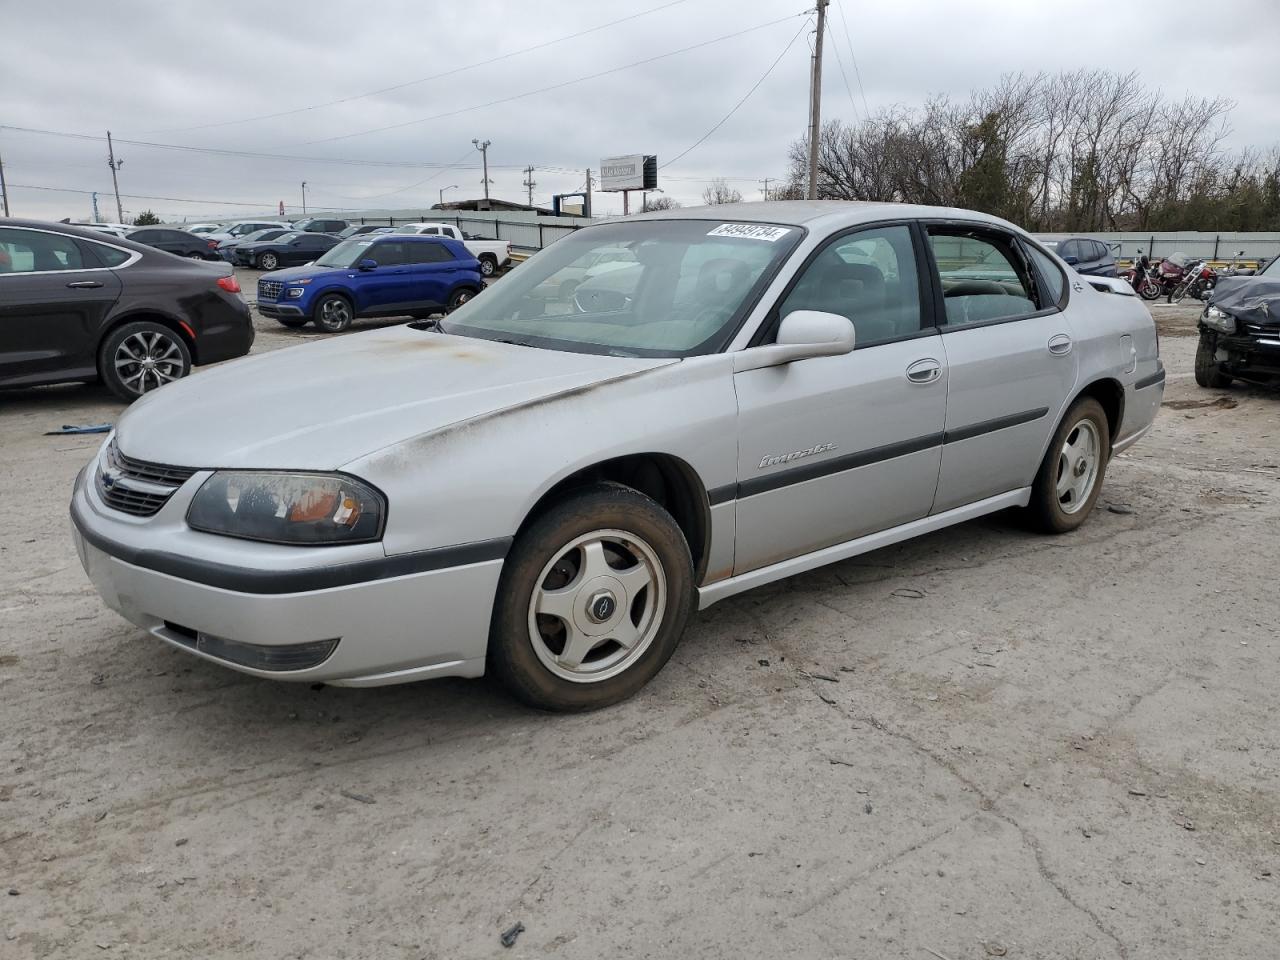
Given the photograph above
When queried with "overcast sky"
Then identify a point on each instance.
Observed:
(194, 74)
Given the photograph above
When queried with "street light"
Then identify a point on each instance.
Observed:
(452, 186)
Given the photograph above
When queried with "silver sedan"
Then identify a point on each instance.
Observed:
(546, 487)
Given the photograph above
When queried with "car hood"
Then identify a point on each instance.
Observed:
(1251, 299)
(300, 273)
(321, 405)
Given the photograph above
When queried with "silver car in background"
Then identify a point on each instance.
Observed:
(547, 487)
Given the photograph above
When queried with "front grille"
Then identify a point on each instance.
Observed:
(1261, 330)
(269, 289)
(136, 486)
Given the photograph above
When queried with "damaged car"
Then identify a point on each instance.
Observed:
(546, 488)
(1240, 331)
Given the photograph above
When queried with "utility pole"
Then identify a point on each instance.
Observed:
(304, 198)
(452, 186)
(529, 182)
(115, 166)
(765, 181)
(815, 100)
(587, 205)
(4, 191)
(484, 152)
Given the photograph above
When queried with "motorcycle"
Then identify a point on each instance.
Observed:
(1197, 281)
(1170, 273)
(1140, 278)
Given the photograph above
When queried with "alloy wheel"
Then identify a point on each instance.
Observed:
(1078, 463)
(335, 314)
(147, 360)
(597, 606)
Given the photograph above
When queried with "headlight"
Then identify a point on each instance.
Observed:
(288, 508)
(1215, 319)
(294, 293)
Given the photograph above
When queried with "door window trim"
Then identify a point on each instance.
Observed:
(768, 328)
(1066, 281)
(1009, 237)
(134, 255)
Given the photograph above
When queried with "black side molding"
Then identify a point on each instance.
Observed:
(990, 426)
(227, 577)
(1151, 381)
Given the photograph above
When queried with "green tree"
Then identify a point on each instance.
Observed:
(146, 219)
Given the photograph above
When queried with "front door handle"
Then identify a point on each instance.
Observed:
(924, 371)
(1060, 345)
(84, 285)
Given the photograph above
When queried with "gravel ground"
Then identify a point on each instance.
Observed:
(981, 743)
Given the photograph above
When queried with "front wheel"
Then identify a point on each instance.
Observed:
(1070, 476)
(333, 313)
(1208, 374)
(592, 601)
(138, 357)
(1148, 289)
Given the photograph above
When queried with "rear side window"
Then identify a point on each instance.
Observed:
(428, 253)
(984, 278)
(107, 256)
(29, 251)
(1100, 250)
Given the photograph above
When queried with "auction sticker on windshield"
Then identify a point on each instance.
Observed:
(750, 231)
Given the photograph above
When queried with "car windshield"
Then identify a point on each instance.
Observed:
(684, 293)
(346, 254)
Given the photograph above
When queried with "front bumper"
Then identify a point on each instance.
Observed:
(1252, 354)
(391, 628)
(270, 309)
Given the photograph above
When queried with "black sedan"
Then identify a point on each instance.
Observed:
(361, 229)
(287, 250)
(76, 304)
(178, 242)
(227, 248)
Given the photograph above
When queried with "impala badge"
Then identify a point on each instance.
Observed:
(798, 455)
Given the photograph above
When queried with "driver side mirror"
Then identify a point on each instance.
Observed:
(366, 265)
(1071, 260)
(803, 334)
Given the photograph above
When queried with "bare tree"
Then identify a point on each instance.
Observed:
(658, 203)
(720, 192)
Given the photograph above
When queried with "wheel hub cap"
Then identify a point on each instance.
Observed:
(601, 606)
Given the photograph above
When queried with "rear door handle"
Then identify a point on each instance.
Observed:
(84, 285)
(924, 371)
(1060, 345)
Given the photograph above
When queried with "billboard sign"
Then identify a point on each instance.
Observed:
(635, 172)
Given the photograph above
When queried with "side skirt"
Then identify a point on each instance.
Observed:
(851, 548)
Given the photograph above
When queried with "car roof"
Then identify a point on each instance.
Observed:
(85, 233)
(818, 213)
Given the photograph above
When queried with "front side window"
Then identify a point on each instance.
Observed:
(869, 277)
(984, 277)
(30, 251)
(691, 283)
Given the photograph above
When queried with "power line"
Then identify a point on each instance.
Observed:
(840, 60)
(259, 204)
(866, 111)
(746, 96)
(554, 86)
(436, 76)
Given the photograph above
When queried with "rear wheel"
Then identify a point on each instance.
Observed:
(1208, 373)
(593, 599)
(488, 265)
(268, 261)
(138, 357)
(1070, 476)
(333, 313)
(459, 297)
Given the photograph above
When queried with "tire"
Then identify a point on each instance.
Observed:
(292, 323)
(333, 313)
(267, 261)
(488, 265)
(1208, 374)
(1148, 289)
(459, 297)
(195, 256)
(123, 355)
(616, 538)
(1064, 491)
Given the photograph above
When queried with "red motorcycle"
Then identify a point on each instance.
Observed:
(1196, 282)
(1141, 279)
(1170, 273)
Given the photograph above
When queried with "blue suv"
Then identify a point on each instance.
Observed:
(372, 277)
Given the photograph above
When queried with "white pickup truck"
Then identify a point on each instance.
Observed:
(492, 254)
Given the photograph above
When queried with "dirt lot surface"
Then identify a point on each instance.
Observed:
(983, 743)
